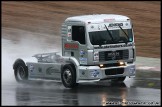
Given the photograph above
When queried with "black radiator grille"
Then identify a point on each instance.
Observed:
(113, 55)
(114, 71)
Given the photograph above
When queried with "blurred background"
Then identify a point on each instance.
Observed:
(42, 20)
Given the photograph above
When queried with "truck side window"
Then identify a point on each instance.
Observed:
(78, 34)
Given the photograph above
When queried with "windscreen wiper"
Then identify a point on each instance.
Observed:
(109, 33)
(124, 33)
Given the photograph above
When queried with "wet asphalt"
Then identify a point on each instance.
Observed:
(144, 89)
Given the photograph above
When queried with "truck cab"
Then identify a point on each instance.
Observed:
(102, 44)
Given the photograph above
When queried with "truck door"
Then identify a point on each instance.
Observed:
(76, 47)
(78, 34)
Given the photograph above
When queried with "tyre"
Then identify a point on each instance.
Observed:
(68, 76)
(20, 70)
(119, 79)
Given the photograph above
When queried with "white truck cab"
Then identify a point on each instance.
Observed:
(94, 48)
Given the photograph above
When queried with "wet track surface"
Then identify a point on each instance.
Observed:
(142, 90)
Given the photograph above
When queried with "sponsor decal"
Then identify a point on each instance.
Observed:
(95, 73)
(113, 46)
(113, 54)
(132, 70)
(69, 31)
(71, 46)
(82, 52)
(83, 60)
(115, 24)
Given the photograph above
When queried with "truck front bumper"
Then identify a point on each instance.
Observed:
(95, 73)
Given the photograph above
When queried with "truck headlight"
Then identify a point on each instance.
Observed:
(121, 63)
(96, 56)
(101, 65)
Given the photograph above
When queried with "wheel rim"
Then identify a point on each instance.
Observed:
(20, 73)
(67, 76)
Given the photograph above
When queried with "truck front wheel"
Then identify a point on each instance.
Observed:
(68, 76)
(20, 70)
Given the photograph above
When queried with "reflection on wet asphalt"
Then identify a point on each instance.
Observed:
(140, 89)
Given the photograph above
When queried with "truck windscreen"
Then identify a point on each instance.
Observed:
(102, 37)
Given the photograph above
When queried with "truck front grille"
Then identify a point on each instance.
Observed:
(113, 55)
(114, 71)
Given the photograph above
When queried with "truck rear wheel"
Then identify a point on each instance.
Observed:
(20, 70)
(119, 79)
(68, 76)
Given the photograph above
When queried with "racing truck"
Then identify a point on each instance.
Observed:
(94, 47)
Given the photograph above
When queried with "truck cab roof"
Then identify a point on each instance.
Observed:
(97, 18)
